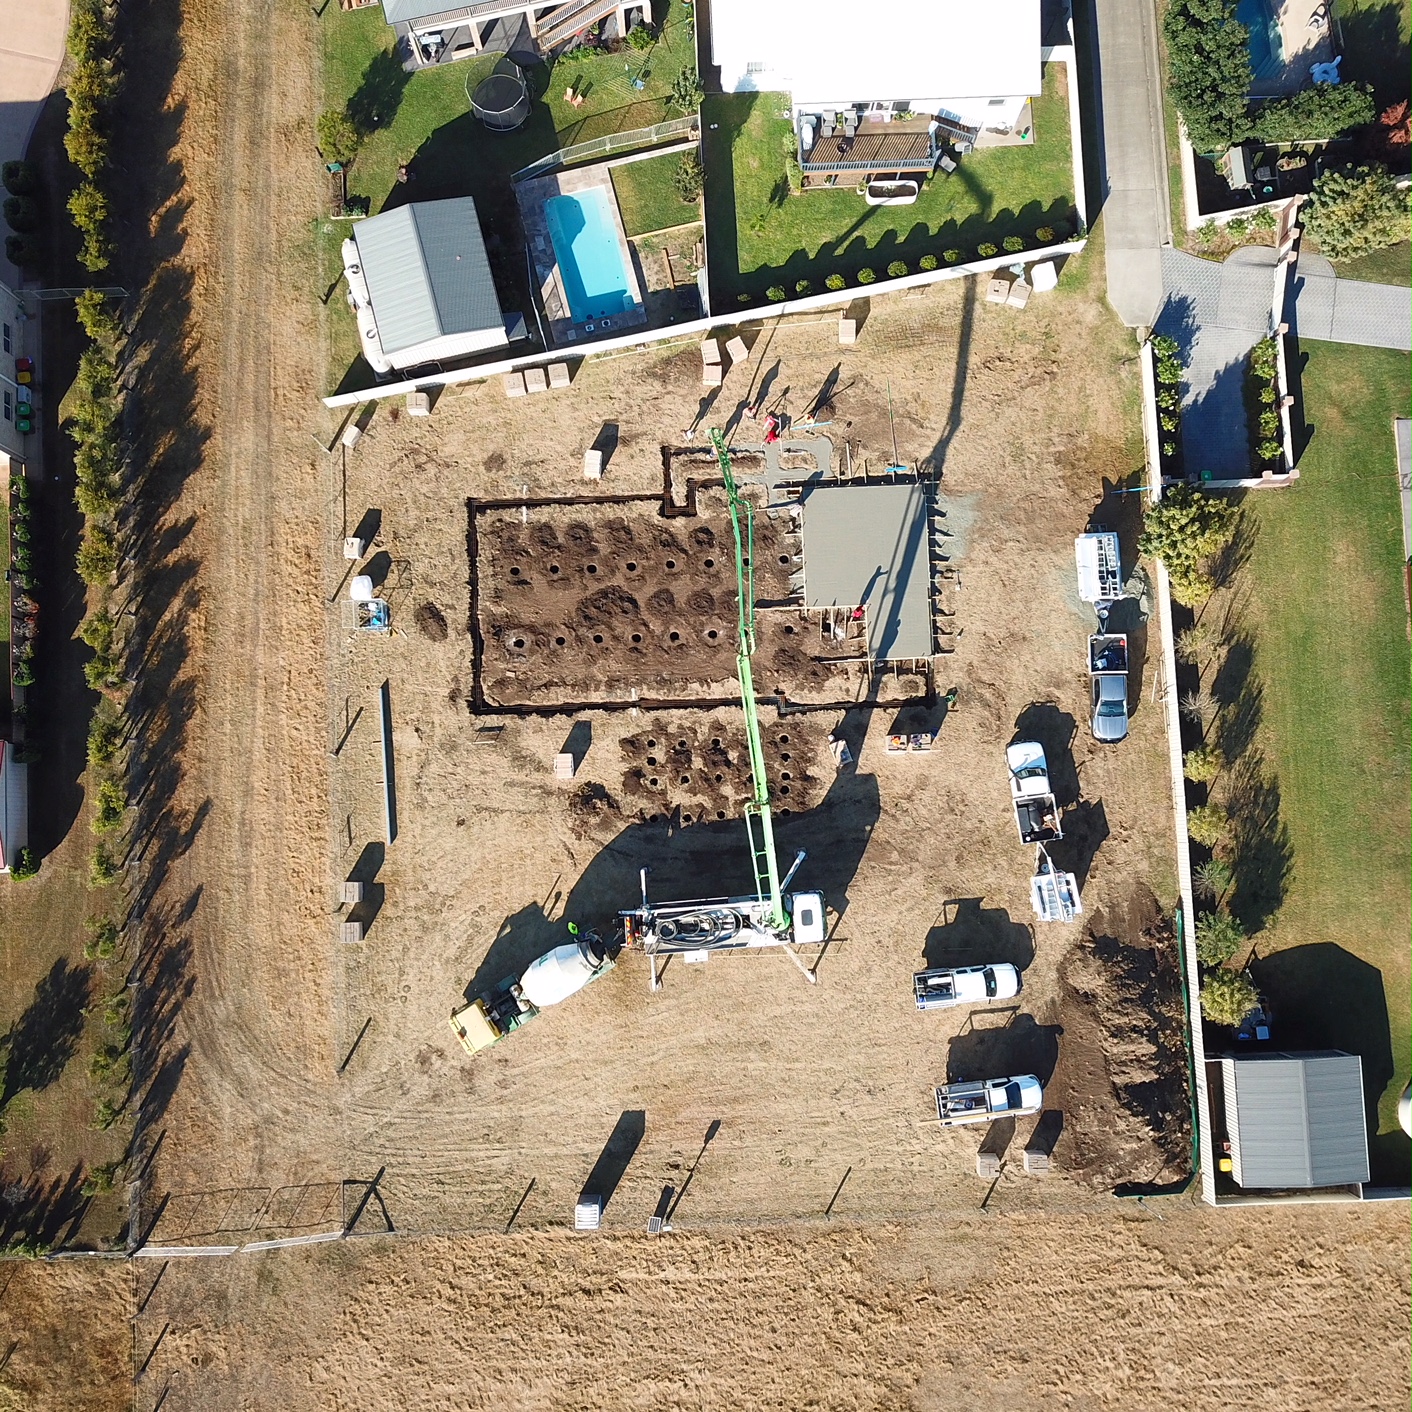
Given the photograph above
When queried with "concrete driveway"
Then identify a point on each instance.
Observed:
(32, 36)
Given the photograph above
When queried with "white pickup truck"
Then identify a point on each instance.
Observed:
(980, 1100)
(964, 985)
(1036, 813)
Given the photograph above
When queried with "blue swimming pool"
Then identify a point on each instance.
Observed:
(590, 258)
(1267, 50)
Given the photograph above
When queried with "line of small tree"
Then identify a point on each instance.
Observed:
(90, 88)
(1262, 396)
(1169, 370)
(94, 407)
(1208, 56)
(898, 269)
(1186, 529)
(23, 213)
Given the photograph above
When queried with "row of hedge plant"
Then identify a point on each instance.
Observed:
(22, 214)
(1169, 371)
(1262, 407)
(899, 269)
(91, 84)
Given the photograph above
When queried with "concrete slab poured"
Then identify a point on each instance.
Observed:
(866, 546)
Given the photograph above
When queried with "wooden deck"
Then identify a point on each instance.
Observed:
(874, 147)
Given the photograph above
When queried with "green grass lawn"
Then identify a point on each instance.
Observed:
(647, 199)
(1390, 266)
(423, 121)
(1375, 50)
(762, 235)
(1331, 653)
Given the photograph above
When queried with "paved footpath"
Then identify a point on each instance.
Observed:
(1137, 221)
(31, 49)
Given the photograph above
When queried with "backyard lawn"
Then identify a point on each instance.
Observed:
(1390, 266)
(1331, 654)
(647, 198)
(761, 234)
(423, 121)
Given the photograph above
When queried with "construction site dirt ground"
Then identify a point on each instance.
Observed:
(301, 1061)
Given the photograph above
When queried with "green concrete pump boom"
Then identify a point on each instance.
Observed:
(759, 823)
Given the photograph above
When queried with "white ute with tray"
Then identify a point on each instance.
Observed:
(945, 987)
(981, 1100)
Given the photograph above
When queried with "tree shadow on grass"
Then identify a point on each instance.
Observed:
(1376, 50)
(1261, 855)
(375, 102)
(43, 1040)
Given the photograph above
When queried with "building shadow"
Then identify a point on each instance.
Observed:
(617, 1154)
(1324, 997)
(971, 935)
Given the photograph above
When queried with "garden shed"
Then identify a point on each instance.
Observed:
(427, 282)
(1296, 1120)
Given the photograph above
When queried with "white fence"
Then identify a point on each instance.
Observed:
(641, 339)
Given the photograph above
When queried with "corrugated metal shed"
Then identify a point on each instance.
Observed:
(866, 546)
(427, 273)
(1296, 1120)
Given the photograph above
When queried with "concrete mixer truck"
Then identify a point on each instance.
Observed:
(514, 1002)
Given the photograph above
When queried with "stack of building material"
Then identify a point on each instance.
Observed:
(712, 374)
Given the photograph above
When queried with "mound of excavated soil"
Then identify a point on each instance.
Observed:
(1121, 1079)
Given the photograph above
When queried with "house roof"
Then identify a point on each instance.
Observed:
(833, 50)
(866, 545)
(1296, 1120)
(427, 272)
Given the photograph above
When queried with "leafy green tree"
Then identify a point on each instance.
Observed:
(97, 555)
(1314, 114)
(1202, 764)
(1218, 937)
(102, 869)
(1211, 878)
(1208, 55)
(686, 93)
(337, 137)
(1207, 824)
(1184, 529)
(688, 178)
(1227, 997)
(105, 734)
(98, 320)
(1351, 214)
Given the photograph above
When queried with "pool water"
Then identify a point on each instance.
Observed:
(590, 258)
(1267, 50)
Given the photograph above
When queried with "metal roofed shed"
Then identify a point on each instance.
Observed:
(1296, 1120)
(865, 546)
(427, 282)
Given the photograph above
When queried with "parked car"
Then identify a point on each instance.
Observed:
(965, 985)
(1110, 709)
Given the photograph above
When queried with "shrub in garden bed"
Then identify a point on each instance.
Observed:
(835, 283)
(1169, 371)
(1262, 413)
